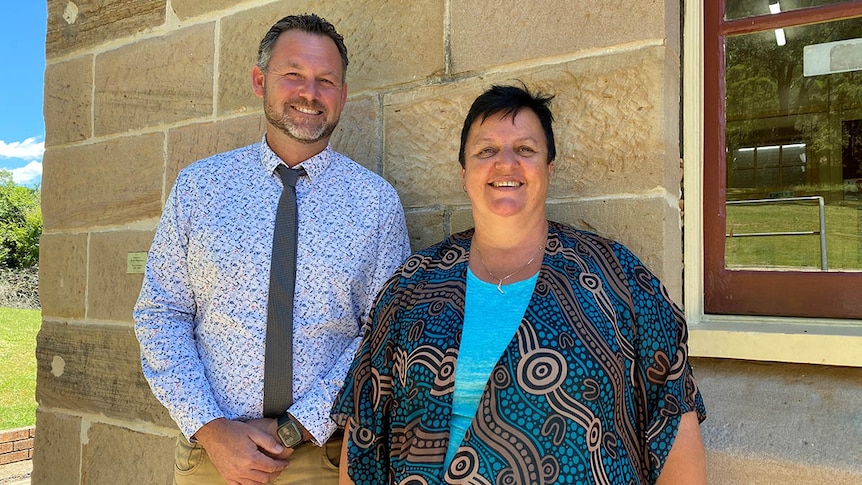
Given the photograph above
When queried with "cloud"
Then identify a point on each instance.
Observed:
(27, 174)
(28, 149)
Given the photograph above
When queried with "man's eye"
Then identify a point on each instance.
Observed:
(527, 150)
(486, 152)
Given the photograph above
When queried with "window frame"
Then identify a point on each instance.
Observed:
(731, 333)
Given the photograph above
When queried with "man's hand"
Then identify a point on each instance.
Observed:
(243, 454)
(270, 427)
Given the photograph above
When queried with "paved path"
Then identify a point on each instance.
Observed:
(17, 473)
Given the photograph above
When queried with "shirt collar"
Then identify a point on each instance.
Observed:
(313, 166)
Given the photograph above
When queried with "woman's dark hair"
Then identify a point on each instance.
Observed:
(510, 100)
(310, 23)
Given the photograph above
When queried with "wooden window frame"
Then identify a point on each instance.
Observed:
(736, 336)
(756, 292)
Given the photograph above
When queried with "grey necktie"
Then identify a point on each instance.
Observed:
(278, 367)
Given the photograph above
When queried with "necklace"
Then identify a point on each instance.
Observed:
(501, 280)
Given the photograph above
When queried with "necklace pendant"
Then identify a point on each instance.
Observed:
(500, 287)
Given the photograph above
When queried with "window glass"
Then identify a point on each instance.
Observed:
(738, 9)
(793, 137)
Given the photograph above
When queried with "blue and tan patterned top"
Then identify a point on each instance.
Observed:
(201, 314)
(590, 389)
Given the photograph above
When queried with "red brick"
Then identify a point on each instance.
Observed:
(6, 447)
(24, 444)
(13, 457)
(15, 434)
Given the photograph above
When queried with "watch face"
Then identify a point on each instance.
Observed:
(290, 434)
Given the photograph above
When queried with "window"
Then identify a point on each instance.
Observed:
(782, 158)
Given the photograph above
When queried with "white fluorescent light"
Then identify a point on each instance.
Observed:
(775, 8)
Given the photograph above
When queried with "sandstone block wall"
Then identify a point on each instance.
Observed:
(135, 90)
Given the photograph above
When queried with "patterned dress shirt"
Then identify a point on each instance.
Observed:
(201, 314)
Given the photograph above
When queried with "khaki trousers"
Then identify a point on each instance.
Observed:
(309, 464)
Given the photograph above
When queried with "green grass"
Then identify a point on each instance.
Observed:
(18, 330)
(843, 236)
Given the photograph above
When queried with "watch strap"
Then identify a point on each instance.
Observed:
(283, 419)
(289, 431)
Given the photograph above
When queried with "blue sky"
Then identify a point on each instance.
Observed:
(22, 55)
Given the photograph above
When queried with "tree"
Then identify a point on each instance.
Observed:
(20, 223)
(770, 102)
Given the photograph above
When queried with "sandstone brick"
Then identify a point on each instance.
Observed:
(57, 451)
(391, 43)
(425, 227)
(645, 225)
(87, 23)
(63, 275)
(610, 124)
(754, 469)
(187, 144)
(609, 129)
(388, 43)
(185, 9)
(155, 81)
(94, 369)
(356, 136)
(772, 423)
(115, 455)
(422, 163)
(358, 133)
(461, 219)
(113, 182)
(482, 37)
(112, 292)
(239, 39)
(68, 101)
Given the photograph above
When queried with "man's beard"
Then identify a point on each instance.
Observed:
(304, 132)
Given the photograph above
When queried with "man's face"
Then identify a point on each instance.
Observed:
(303, 88)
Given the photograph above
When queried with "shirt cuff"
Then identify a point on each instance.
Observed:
(320, 426)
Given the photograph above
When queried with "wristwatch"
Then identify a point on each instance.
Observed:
(289, 431)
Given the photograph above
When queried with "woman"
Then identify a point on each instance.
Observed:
(523, 350)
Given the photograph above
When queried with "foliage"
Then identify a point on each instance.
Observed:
(19, 288)
(18, 329)
(20, 223)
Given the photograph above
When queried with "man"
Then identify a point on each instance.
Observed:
(201, 317)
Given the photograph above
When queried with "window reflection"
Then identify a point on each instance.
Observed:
(794, 130)
(739, 9)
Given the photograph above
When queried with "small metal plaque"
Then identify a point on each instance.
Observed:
(136, 262)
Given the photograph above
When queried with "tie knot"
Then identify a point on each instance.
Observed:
(289, 175)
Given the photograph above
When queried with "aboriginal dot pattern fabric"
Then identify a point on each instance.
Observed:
(590, 389)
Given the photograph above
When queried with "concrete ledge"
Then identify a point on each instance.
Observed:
(16, 444)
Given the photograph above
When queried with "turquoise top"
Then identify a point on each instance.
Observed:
(490, 321)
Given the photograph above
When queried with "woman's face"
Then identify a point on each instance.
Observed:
(506, 170)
